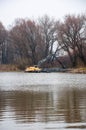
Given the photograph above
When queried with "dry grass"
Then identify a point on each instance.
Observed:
(8, 68)
(78, 70)
(77, 127)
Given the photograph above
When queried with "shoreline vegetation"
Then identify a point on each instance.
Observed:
(81, 70)
(15, 68)
(8, 68)
(46, 42)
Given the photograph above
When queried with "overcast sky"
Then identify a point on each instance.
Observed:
(12, 9)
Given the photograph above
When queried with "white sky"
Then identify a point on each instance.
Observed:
(12, 9)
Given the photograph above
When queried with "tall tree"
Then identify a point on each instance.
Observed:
(27, 39)
(48, 33)
(71, 37)
(3, 43)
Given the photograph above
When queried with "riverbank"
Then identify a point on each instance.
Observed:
(9, 68)
(81, 70)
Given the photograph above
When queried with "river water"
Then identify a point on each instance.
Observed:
(42, 101)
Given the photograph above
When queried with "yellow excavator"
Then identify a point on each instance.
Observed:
(34, 68)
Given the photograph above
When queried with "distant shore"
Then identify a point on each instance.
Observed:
(81, 70)
(10, 68)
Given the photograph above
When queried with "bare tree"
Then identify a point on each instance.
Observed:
(27, 40)
(34, 39)
(70, 37)
(48, 33)
(3, 36)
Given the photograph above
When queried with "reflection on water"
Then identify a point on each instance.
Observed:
(72, 104)
(43, 106)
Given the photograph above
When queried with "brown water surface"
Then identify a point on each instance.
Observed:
(42, 101)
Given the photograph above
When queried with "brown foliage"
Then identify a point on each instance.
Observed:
(28, 41)
(72, 37)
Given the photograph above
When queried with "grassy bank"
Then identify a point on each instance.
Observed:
(8, 68)
(81, 70)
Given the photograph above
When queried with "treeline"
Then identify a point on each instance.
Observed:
(28, 41)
